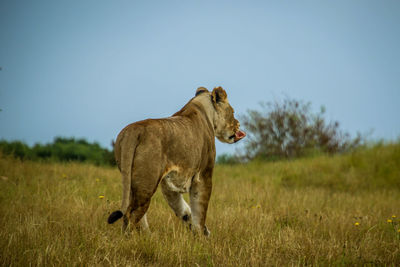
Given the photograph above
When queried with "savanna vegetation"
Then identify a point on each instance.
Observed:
(61, 149)
(289, 129)
(338, 209)
(301, 192)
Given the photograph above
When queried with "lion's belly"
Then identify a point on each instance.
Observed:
(177, 180)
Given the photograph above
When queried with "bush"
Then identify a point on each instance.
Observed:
(227, 159)
(15, 148)
(62, 149)
(288, 129)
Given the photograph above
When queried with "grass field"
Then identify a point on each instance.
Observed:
(324, 210)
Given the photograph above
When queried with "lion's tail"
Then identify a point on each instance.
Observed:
(126, 151)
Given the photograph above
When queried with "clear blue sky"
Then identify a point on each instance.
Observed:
(88, 68)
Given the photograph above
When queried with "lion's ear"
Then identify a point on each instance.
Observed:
(218, 95)
(201, 90)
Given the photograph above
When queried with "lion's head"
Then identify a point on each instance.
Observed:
(226, 127)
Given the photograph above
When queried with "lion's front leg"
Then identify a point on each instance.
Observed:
(200, 192)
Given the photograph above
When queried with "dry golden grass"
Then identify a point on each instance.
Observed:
(303, 212)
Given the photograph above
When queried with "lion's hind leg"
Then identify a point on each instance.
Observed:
(137, 215)
(176, 202)
(144, 179)
(143, 225)
(143, 186)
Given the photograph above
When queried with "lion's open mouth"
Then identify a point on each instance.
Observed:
(238, 135)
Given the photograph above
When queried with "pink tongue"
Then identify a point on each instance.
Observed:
(239, 135)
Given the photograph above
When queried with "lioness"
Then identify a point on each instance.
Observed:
(179, 153)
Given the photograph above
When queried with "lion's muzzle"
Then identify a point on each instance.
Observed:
(239, 135)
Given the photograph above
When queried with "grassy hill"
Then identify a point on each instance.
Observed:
(338, 210)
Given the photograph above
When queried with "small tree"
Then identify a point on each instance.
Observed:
(288, 129)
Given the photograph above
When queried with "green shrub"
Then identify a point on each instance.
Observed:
(62, 149)
(289, 129)
(16, 148)
(227, 159)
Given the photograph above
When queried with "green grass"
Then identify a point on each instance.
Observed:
(301, 212)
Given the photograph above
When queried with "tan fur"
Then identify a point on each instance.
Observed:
(179, 153)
